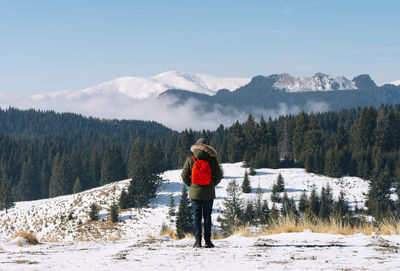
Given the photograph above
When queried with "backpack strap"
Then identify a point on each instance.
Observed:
(194, 158)
(209, 159)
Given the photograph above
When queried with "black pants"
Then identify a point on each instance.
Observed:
(202, 208)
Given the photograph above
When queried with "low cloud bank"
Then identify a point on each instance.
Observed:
(163, 110)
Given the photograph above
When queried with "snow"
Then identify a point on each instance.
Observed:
(318, 82)
(396, 83)
(135, 242)
(289, 251)
(141, 88)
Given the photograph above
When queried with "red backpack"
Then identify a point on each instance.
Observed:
(201, 171)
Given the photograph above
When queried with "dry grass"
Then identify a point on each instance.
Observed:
(170, 232)
(1, 249)
(290, 224)
(29, 237)
(19, 243)
(189, 235)
(113, 238)
(152, 237)
(243, 230)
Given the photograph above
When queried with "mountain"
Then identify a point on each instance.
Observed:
(396, 83)
(140, 88)
(278, 94)
(318, 82)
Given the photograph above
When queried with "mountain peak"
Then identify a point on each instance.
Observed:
(364, 81)
(318, 82)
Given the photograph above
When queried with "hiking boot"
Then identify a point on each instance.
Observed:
(197, 243)
(209, 244)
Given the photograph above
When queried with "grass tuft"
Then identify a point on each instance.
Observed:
(170, 232)
(29, 237)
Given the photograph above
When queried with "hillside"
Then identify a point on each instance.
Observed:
(48, 218)
(135, 242)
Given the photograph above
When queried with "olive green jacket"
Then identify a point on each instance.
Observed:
(202, 192)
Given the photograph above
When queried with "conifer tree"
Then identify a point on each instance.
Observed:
(45, 175)
(114, 213)
(112, 166)
(246, 188)
(280, 184)
(273, 215)
(184, 218)
(303, 202)
(27, 187)
(341, 206)
(6, 196)
(77, 186)
(143, 186)
(233, 208)
(326, 202)
(171, 210)
(378, 198)
(300, 129)
(94, 212)
(123, 202)
(236, 144)
(265, 212)
(314, 202)
(332, 164)
(249, 213)
(61, 180)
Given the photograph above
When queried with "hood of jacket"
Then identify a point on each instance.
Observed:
(203, 147)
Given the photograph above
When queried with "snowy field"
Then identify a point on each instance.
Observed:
(287, 251)
(68, 240)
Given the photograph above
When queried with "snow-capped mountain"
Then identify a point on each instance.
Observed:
(140, 88)
(396, 83)
(318, 82)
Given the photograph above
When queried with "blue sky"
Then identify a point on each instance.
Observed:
(56, 45)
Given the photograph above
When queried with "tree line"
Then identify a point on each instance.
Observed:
(45, 154)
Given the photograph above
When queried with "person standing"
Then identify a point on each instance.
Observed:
(202, 173)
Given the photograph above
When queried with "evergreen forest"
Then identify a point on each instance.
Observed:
(47, 154)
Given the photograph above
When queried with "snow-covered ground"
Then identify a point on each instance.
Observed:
(286, 251)
(78, 243)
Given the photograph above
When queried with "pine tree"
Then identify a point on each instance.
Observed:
(249, 213)
(233, 205)
(378, 198)
(27, 187)
(265, 213)
(326, 203)
(303, 202)
(6, 196)
(184, 217)
(61, 181)
(332, 164)
(236, 144)
(341, 206)
(142, 187)
(123, 202)
(112, 166)
(314, 202)
(94, 212)
(246, 188)
(300, 129)
(273, 215)
(280, 184)
(114, 213)
(77, 186)
(171, 210)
